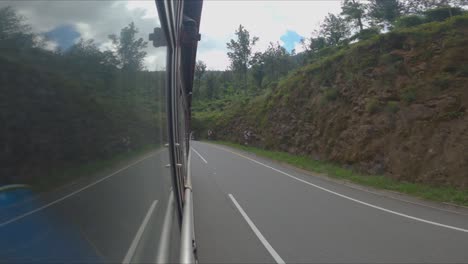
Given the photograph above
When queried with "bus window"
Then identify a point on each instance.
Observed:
(84, 174)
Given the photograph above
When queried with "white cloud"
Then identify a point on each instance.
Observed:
(92, 19)
(215, 59)
(145, 6)
(298, 47)
(51, 45)
(156, 60)
(268, 20)
(85, 30)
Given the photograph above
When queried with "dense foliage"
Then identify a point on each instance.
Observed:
(63, 109)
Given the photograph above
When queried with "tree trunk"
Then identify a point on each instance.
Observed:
(361, 27)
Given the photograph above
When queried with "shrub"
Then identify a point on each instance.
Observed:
(442, 81)
(368, 33)
(458, 114)
(443, 13)
(409, 21)
(366, 59)
(393, 40)
(390, 58)
(409, 95)
(372, 106)
(454, 114)
(331, 94)
(463, 71)
(392, 107)
(460, 21)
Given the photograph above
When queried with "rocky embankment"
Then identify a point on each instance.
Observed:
(395, 105)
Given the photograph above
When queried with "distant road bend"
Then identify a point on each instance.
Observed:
(252, 210)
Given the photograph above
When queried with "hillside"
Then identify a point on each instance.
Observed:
(56, 117)
(394, 104)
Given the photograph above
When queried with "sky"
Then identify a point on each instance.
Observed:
(272, 21)
(285, 22)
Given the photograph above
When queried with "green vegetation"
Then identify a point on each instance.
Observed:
(442, 13)
(372, 106)
(341, 104)
(442, 81)
(409, 95)
(252, 74)
(392, 107)
(70, 112)
(389, 59)
(410, 21)
(433, 193)
(331, 94)
(452, 115)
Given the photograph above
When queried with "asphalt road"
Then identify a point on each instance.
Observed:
(249, 209)
(114, 217)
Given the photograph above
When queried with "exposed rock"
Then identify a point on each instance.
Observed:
(416, 133)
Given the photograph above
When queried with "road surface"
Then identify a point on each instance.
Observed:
(249, 209)
(116, 216)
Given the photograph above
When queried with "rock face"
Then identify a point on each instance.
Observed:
(396, 105)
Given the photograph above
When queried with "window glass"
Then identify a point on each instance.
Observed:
(84, 123)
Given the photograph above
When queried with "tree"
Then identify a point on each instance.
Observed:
(354, 10)
(87, 52)
(384, 12)
(200, 70)
(240, 52)
(270, 65)
(14, 33)
(409, 21)
(85, 58)
(276, 61)
(420, 6)
(211, 86)
(367, 33)
(130, 49)
(316, 44)
(312, 46)
(334, 29)
(258, 69)
(11, 23)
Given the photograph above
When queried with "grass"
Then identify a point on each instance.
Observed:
(372, 106)
(392, 107)
(331, 94)
(428, 192)
(63, 176)
(409, 95)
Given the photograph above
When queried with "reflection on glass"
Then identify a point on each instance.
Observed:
(83, 117)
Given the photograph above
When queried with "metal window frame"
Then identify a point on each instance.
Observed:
(180, 64)
(166, 18)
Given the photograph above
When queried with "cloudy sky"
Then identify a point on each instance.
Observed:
(272, 21)
(65, 22)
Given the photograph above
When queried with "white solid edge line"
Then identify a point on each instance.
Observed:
(73, 193)
(352, 199)
(136, 239)
(200, 155)
(265, 243)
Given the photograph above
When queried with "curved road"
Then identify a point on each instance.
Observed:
(252, 210)
(247, 210)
